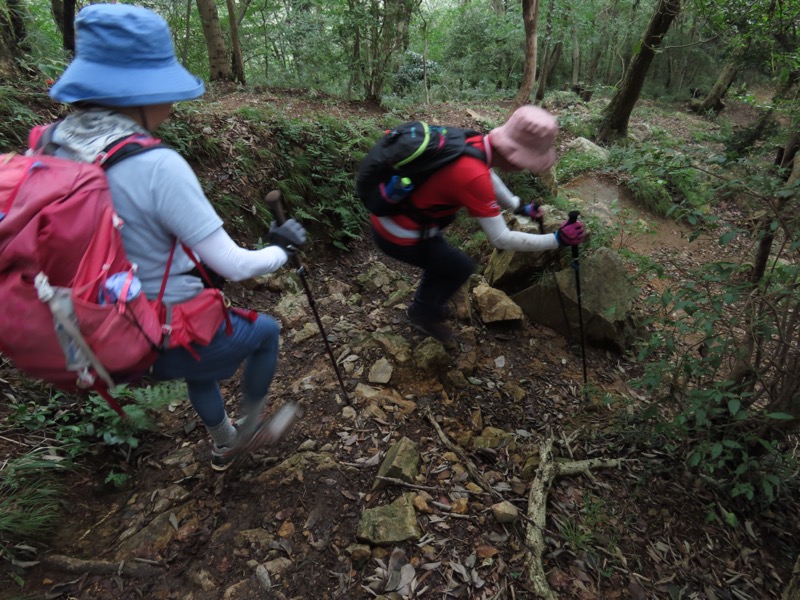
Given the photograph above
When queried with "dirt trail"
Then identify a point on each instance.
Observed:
(283, 524)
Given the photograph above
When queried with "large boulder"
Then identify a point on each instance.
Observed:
(607, 300)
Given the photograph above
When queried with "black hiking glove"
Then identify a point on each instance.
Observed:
(289, 235)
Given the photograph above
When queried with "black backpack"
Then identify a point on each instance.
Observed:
(410, 152)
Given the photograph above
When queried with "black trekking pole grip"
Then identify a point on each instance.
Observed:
(572, 218)
(276, 206)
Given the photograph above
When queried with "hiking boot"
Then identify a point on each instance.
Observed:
(427, 325)
(221, 457)
(266, 432)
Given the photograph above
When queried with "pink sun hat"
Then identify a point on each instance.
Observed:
(526, 139)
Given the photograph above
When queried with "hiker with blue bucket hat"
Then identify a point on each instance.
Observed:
(123, 81)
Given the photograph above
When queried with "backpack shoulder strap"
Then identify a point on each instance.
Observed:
(474, 152)
(126, 147)
(41, 138)
(475, 148)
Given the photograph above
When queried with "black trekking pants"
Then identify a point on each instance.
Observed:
(444, 270)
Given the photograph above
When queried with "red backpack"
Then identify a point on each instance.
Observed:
(60, 244)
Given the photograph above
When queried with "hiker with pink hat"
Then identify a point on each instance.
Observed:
(123, 81)
(523, 142)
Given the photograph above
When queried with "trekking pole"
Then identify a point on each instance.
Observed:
(276, 206)
(573, 216)
(540, 220)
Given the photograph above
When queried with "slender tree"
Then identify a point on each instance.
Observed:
(576, 49)
(614, 121)
(68, 25)
(379, 37)
(218, 63)
(553, 46)
(530, 18)
(237, 62)
(713, 101)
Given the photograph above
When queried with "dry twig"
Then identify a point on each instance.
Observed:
(470, 466)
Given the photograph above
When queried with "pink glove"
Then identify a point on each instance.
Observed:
(532, 210)
(570, 234)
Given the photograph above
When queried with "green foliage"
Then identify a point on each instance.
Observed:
(314, 163)
(28, 495)
(30, 504)
(661, 178)
(719, 426)
(578, 123)
(412, 70)
(465, 234)
(745, 140)
(193, 141)
(573, 163)
(116, 479)
(17, 117)
(481, 49)
(579, 531)
(74, 426)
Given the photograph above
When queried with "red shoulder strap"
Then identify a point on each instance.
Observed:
(127, 146)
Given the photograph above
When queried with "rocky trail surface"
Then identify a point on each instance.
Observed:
(462, 472)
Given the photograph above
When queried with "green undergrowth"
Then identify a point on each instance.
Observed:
(70, 430)
(21, 107)
(311, 161)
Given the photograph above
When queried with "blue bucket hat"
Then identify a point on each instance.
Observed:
(124, 57)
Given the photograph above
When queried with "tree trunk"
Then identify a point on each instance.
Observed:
(530, 18)
(746, 138)
(218, 64)
(12, 38)
(385, 36)
(713, 102)
(425, 60)
(549, 62)
(237, 63)
(786, 156)
(747, 361)
(614, 122)
(242, 12)
(69, 26)
(576, 50)
(186, 35)
(57, 8)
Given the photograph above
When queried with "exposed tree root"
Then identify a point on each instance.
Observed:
(537, 498)
(537, 509)
(69, 564)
